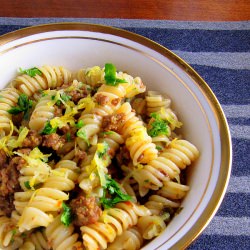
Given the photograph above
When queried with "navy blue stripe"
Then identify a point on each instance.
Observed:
(241, 149)
(235, 205)
(8, 28)
(229, 85)
(198, 40)
(239, 121)
(221, 242)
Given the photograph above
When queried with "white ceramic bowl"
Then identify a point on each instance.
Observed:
(75, 45)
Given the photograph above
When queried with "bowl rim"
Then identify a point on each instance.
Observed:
(226, 143)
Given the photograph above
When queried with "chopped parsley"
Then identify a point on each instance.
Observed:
(110, 75)
(65, 97)
(159, 148)
(79, 124)
(66, 216)
(23, 105)
(27, 185)
(48, 129)
(68, 137)
(115, 195)
(31, 72)
(158, 126)
(14, 231)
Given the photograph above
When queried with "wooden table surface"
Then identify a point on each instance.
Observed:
(199, 10)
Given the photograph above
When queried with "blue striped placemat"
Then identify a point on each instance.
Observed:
(220, 53)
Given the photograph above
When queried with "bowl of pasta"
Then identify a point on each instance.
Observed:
(107, 141)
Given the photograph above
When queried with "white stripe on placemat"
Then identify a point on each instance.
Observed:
(229, 60)
(240, 131)
(239, 184)
(236, 111)
(136, 23)
(228, 226)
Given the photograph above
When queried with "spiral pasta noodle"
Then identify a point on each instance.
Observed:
(181, 153)
(64, 176)
(42, 113)
(151, 226)
(114, 222)
(32, 175)
(50, 78)
(9, 235)
(36, 240)
(155, 102)
(92, 126)
(92, 76)
(36, 207)
(169, 196)
(139, 143)
(130, 239)
(62, 237)
(166, 166)
(8, 99)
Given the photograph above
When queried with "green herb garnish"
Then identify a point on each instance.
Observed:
(65, 97)
(48, 129)
(66, 216)
(23, 105)
(114, 192)
(159, 148)
(27, 185)
(82, 134)
(79, 124)
(68, 137)
(31, 72)
(14, 231)
(110, 75)
(158, 126)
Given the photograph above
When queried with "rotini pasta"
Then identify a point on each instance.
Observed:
(155, 102)
(113, 222)
(139, 143)
(80, 151)
(167, 166)
(131, 239)
(42, 113)
(8, 98)
(9, 235)
(35, 240)
(47, 77)
(64, 176)
(36, 207)
(62, 237)
(151, 226)
(169, 196)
